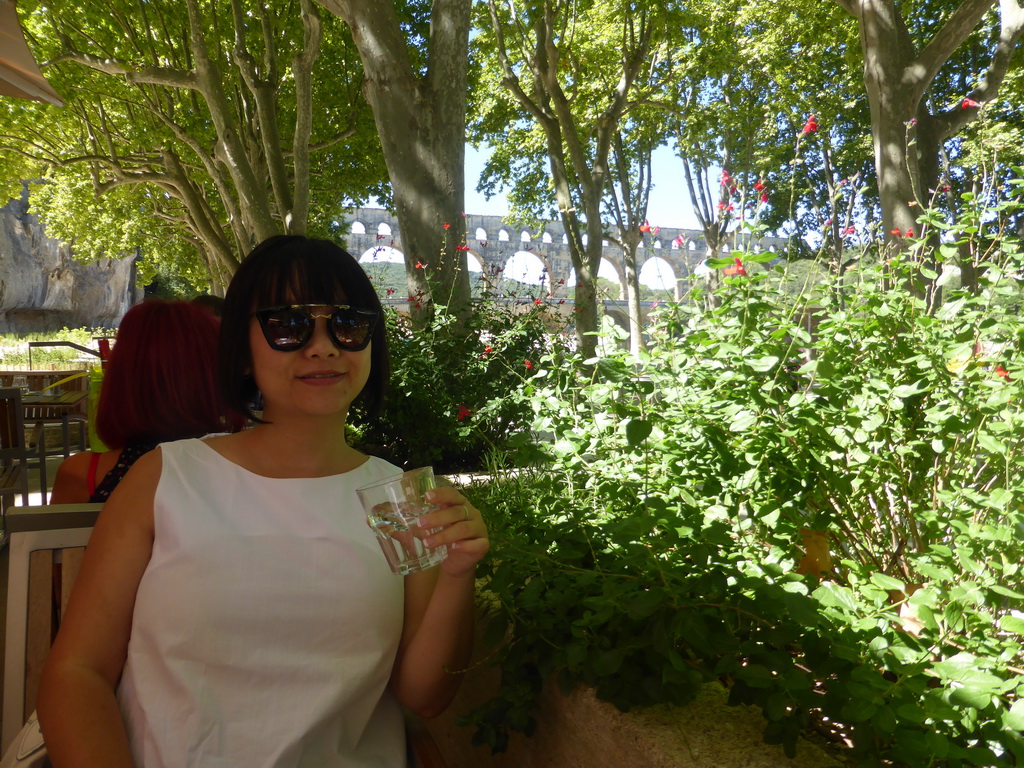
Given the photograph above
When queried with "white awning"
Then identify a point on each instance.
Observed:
(19, 74)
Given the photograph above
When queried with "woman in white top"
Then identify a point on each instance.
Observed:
(234, 609)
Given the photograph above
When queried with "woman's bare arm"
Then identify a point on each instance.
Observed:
(437, 636)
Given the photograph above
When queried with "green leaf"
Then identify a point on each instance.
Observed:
(755, 675)
(1014, 718)
(612, 370)
(637, 430)
(1012, 624)
(999, 589)
(833, 595)
(763, 364)
(989, 443)
(887, 583)
(979, 698)
(906, 390)
(743, 421)
(858, 710)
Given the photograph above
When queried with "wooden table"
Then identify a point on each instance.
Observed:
(47, 407)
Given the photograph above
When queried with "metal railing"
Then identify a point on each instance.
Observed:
(79, 347)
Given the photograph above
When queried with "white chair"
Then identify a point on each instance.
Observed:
(44, 552)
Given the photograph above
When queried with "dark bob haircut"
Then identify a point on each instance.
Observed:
(292, 269)
(160, 381)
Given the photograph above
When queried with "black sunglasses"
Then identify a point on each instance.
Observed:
(290, 327)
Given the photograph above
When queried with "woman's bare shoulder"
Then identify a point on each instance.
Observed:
(71, 483)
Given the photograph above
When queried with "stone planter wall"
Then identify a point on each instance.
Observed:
(579, 731)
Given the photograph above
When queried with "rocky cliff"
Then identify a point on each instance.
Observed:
(42, 288)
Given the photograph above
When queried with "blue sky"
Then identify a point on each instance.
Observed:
(669, 206)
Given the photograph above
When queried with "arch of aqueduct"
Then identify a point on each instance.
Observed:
(494, 240)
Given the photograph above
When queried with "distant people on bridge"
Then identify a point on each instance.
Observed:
(159, 385)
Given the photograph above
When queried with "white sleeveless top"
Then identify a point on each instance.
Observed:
(266, 623)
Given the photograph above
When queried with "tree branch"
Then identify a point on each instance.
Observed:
(852, 7)
(172, 78)
(302, 67)
(1011, 27)
(958, 26)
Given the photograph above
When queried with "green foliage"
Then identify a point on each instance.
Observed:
(186, 130)
(664, 536)
(14, 348)
(449, 404)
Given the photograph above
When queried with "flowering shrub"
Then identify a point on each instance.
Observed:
(448, 405)
(817, 506)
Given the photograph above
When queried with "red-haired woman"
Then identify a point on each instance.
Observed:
(159, 385)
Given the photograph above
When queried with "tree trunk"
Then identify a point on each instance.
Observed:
(897, 74)
(888, 50)
(636, 325)
(421, 120)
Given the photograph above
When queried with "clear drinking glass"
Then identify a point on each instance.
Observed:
(393, 506)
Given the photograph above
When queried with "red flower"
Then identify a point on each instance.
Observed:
(645, 227)
(488, 349)
(810, 126)
(945, 189)
(910, 233)
(464, 413)
(895, 233)
(461, 247)
(850, 231)
(446, 225)
(737, 269)
(759, 185)
(420, 265)
(380, 237)
(390, 291)
(968, 103)
(561, 301)
(528, 364)
(1003, 372)
(538, 301)
(726, 179)
(656, 230)
(764, 197)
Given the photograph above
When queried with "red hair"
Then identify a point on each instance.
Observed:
(160, 381)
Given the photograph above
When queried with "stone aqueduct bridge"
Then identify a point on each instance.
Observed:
(493, 240)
